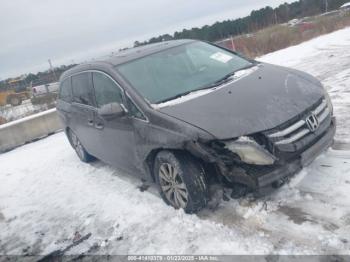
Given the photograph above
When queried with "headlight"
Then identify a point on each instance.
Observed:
(250, 152)
(329, 102)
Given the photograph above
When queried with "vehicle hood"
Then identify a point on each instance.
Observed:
(258, 101)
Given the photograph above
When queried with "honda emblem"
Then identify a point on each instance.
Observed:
(312, 123)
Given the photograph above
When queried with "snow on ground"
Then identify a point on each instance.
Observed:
(49, 199)
(50, 195)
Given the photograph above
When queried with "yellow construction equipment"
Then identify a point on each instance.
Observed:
(15, 93)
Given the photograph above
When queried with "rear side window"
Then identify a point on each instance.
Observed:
(66, 90)
(82, 89)
(106, 90)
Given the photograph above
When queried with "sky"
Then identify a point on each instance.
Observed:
(67, 31)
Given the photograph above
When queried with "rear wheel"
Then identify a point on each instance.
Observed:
(79, 148)
(181, 181)
(15, 100)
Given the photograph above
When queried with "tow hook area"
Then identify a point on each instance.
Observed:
(239, 191)
(280, 182)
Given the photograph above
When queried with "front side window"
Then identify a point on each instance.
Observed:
(82, 89)
(183, 69)
(106, 90)
(66, 90)
(133, 110)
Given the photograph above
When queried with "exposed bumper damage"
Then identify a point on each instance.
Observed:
(262, 178)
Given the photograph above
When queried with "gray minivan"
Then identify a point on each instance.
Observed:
(186, 114)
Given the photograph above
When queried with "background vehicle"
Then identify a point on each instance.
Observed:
(15, 93)
(45, 94)
(44, 89)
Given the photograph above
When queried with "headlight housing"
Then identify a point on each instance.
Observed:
(329, 101)
(249, 151)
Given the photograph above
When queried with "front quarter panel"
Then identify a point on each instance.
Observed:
(162, 132)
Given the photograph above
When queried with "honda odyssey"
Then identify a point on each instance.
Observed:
(186, 114)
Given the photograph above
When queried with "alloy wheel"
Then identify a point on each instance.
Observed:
(173, 186)
(78, 147)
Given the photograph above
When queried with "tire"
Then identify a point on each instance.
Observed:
(14, 100)
(181, 181)
(79, 148)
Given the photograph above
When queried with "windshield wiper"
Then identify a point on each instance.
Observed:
(225, 78)
(219, 82)
(216, 83)
(176, 96)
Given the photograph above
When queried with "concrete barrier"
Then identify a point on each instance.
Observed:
(19, 132)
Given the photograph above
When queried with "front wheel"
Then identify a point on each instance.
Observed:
(15, 101)
(181, 181)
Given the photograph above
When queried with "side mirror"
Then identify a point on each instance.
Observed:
(111, 110)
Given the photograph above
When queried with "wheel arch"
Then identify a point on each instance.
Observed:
(67, 130)
(149, 160)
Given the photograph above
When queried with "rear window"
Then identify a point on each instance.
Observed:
(82, 89)
(66, 90)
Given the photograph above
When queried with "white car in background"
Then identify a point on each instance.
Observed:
(44, 89)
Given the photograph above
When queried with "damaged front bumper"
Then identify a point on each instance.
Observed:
(283, 172)
(263, 178)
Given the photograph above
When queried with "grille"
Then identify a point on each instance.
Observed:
(299, 129)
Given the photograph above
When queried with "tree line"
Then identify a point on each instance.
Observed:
(258, 19)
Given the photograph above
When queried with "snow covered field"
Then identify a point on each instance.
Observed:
(49, 199)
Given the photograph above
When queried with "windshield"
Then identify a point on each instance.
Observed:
(178, 71)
